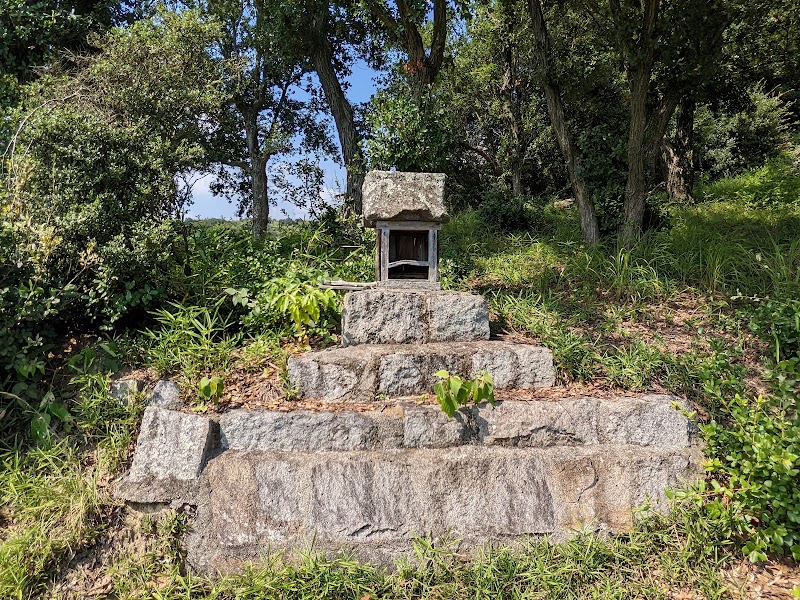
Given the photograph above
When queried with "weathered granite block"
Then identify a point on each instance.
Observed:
(538, 424)
(298, 430)
(644, 421)
(391, 316)
(430, 427)
(396, 195)
(456, 317)
(516, 365)
(166, 394)
(326, 381)
(171, 451)
(383, 317)
(375, 502)
(363, 372)
(648, 421)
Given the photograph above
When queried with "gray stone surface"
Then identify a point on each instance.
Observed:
(166, 394)
(538, 424)
(645, 421)
(515, 365)
(430, 427)
(391, 316)
(298, 430)
(171, 451)
(123, 389)
(375, 502)
(383, 317)
(370, 481)
(456, 317)
(329, 380)
(363, 372)
(397, 195)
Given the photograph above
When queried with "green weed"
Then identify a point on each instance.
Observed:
(193, 341)
(635, 366)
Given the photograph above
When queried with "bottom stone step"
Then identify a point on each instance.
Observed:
(374, 502)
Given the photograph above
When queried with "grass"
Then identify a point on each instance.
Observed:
(51, 508)
(655, 559)
(672, 313)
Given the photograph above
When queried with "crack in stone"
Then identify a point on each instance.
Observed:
(591, 485)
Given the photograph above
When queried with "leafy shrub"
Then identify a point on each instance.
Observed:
(735, 139)
(504, 211)
(294, 300)
(777, 320)
(754, 460)
(453, 392)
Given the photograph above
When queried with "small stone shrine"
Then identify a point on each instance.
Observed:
(396, 336)
(370, 480)
(407, 211)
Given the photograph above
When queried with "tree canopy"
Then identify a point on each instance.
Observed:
(609, 103)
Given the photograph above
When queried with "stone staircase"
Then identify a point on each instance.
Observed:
(394, 341)
(370, 481)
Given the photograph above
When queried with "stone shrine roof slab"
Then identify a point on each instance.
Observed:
(400, 196)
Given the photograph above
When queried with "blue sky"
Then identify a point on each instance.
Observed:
(206, 205)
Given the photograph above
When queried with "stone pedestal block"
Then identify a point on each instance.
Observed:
(394, 316)
(171, 451)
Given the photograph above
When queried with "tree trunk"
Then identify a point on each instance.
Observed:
(510, 103)
(555, 109)
(260, 210)
(341, 110)
(678, 154)
(636, 185)
(638, 57)
(258, 174)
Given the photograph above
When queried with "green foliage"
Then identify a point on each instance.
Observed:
(193, 341)
(776, 184)
(89, 193)
(635, 366)
(210, 388)
(741, 137)
(754, 462)
(94, 179)
(777, 320)
(41, 416)
(504, 211)
(453, 392)
(56, 505)
(294, 299)
(407, 134)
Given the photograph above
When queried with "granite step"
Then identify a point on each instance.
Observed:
(370, 481)
(391, 316)
(367, 372)
(373, 503)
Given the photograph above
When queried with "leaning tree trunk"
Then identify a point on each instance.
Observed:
(341, 110)
(678, 154)
(555, 109)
